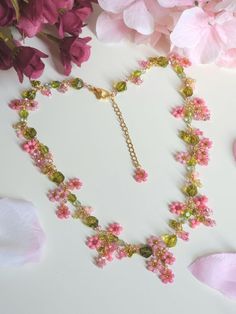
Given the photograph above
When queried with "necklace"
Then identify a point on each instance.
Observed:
(106, 241)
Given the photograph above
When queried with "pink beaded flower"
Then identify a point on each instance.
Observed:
(30, 146)
(140, 175)
(63, 212)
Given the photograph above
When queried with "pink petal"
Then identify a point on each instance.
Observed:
(114, 6)
(228, 59)
(137, 17)
(217, 271)
(190, 28)
(229, 29)
(173, 3)
(110, 28)
(21, 235)
(227, 5)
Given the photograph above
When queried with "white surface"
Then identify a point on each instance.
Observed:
(87, 142)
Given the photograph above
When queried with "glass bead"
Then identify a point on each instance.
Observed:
(77, 83)
(175, 225)
(191, 190)
(30, 94)
(169, 239)
(136, 73)
(43, 149)
(145, 251)
(23, 114)
(91, 221)
(57, 177)
(55, 84)
(187, 91)
(30, 133)
(120, 86)
(71, 198)
(35, 83)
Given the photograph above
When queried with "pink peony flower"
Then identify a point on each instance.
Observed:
(75, 50)
(6, 59)
(7, 13)
(28, 62)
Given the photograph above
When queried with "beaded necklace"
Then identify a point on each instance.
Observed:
(193, 210)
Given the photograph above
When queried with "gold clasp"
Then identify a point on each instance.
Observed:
(100, 93)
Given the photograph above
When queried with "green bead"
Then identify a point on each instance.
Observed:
(191, 162)
(136, 73)
(44, 149)
(178, 69)
(72, 198)
(120, 86)
(57, 177)
(77, 83)
(191, 190)
(163, 62)
(175, 225)
(30, 94)
(30, 133)
(187, 214)
(55, 84)
(23, 114)
(145, 251)
(187, 91)
(169, 239)
(35, 83)
(91, 221)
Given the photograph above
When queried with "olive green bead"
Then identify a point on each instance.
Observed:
(145, 251)
(187, 91)
(23, 114)
(191, 190)
(120, 86)
(44, 149)
(30, 133)
(169, 239)
(136, 73)
(77, 83)
(72, 198)
(35, 83)
(91, 221)
(57, 177)
(55, 84)
(30, 94)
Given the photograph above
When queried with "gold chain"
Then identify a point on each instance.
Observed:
(125, 130)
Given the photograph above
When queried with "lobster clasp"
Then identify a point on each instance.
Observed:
(101, 93)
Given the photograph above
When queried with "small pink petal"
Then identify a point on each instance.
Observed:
(173, 3)
(137, 17)
(227, 59)
(217, 271)
(114, 6)
(110, 28)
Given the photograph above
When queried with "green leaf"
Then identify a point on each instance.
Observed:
(17, 8)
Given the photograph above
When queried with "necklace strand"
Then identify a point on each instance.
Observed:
(193, 210)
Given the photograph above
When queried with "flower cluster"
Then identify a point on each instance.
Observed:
(199, 146)
(160, 260)
(108, 245)
(31, 18)
(204, 31)
(195, 108)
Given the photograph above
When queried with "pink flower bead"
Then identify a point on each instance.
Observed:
(46, 91)
(193, 223)
(144, 64)
(93, 242)
(178, 112)
(88, 210)
(136, 80)
(120, 253)
(182, 157)
(58, 195)
(74, 183)
(30, 146)
(63, 212)
(177, 208)
(16, 104)
(115, 228)
(100, 262)
(140, 175)
(166, 276)
(63, 88)
(183, 235)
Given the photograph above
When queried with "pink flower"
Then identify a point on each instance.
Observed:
(28, 62)
(100, 261)
(63, 212)
(30, 146)
(166, 276)
(74, 183)
(140, 175)
(204, 35)
(115, 228)
(93, 242)
(6, 59)
(177, 208)
(73, 49)
(7, 13)
(70, 22)
(58, 195)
